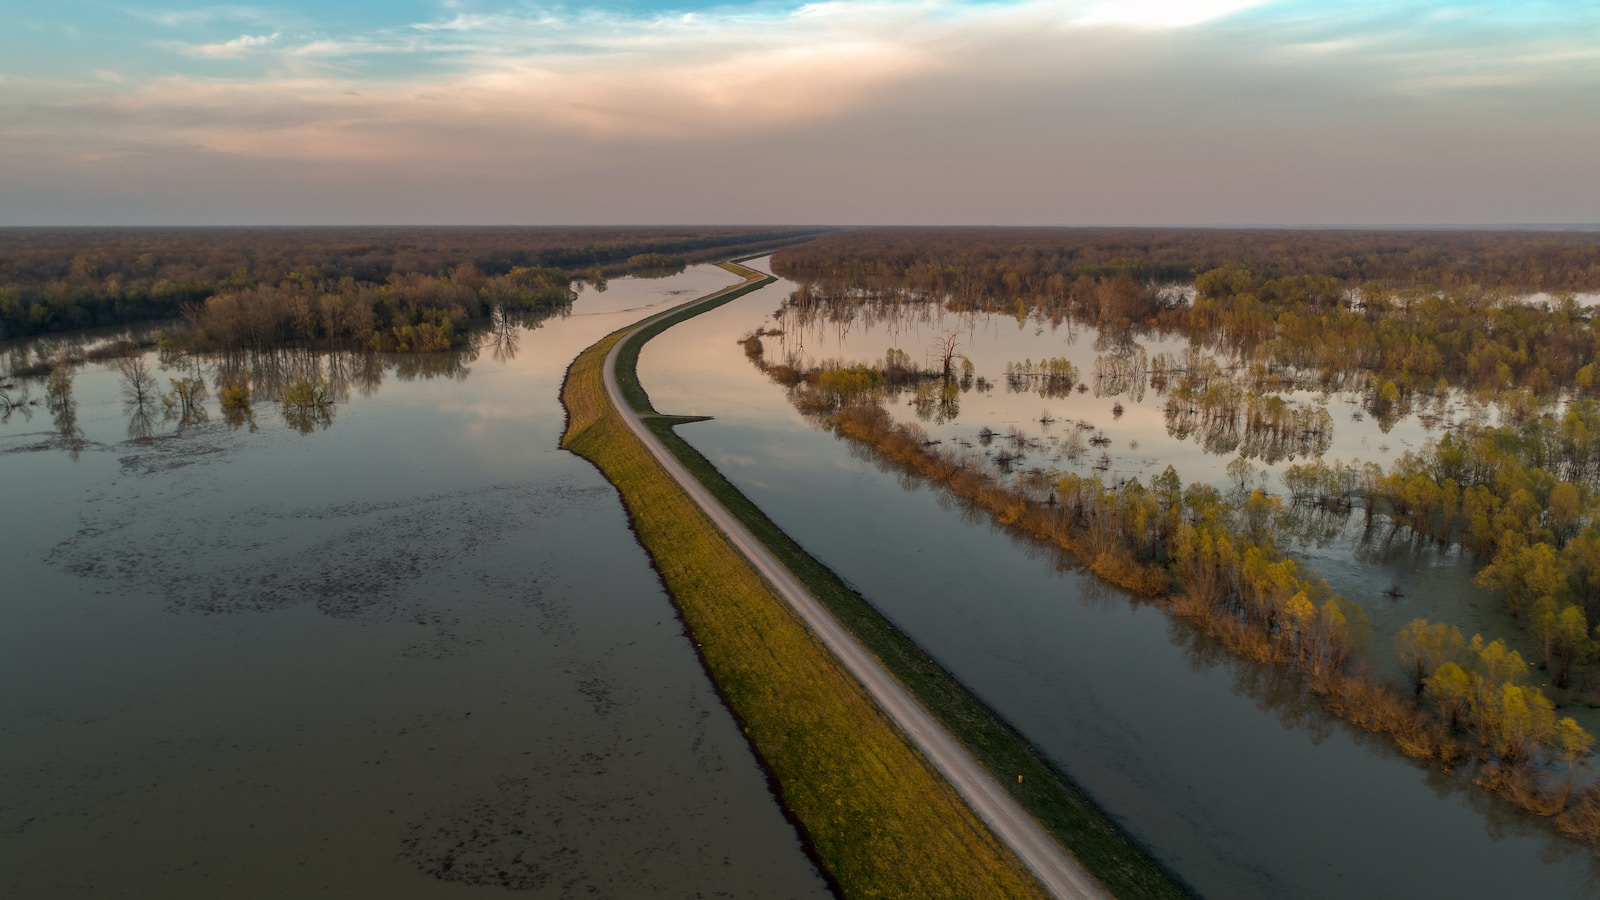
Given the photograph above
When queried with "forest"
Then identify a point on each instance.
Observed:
(1401, 309)
(408, 313)
(57, 279)
(997, 265)
(1403, 319)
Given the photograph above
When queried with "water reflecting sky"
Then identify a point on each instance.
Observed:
(412, 651)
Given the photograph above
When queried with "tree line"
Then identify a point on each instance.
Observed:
(55, 279)
(407, 313)
(1415, 312)
(1482, 339)
(304, 381)
(1042, 265)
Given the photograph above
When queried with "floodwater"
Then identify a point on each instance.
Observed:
(1222, 768)
(1120, 428)
(405, 648)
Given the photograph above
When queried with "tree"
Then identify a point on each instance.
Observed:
(10, 401)
(1424, 646)
(1571, 743)
(947, 349)
(235, 395)
(1167, 489)
(187, 395)
(1499, 664)
(138, 383)
(1571, 642)
(1564, 511)
(1581, 557)
(303, 394)
(63, 408)
(307, 406)
(1524, 720)
(1497, 667)
(1242, 475)
(1524, 575)
(185, 402)
(1450, 690)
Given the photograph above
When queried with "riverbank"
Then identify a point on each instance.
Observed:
(877, 818)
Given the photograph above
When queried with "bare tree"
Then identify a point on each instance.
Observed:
(947, 347)
(138, 382)
(12, 399)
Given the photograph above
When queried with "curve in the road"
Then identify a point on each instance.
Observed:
(1059, 873)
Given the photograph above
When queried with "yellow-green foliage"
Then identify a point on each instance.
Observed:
(851, 384)
(235, 395)
(882, 822)
(303, 394)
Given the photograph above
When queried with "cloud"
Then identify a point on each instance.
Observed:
(204, 15)
(1046, 110)
(245, 45)
(1163, 13)
(613, 77)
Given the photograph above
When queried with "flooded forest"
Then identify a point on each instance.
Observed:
(1203, 419)
(293, 609)
(1284, 546)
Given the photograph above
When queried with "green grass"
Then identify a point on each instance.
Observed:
(1119, 864)
(879, 820)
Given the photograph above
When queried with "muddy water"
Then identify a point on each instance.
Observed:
(412, 652)
(1220, 767)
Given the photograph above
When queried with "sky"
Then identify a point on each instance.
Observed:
(930, 112)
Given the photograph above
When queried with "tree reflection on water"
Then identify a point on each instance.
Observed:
(305, 384)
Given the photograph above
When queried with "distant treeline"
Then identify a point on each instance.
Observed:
(407, 313)
(655, 262)
(973, 263)
(55, 279)
(1416, 312)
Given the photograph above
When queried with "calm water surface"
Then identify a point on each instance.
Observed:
(1221, 767)
(412, 652)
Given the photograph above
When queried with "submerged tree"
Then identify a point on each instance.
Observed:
(64, 408)
(139, 387)
(14, 399)
(139, 394)
(307, 406)
(947, 349)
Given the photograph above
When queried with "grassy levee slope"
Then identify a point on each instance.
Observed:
(879, 820)
(1116, 862)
